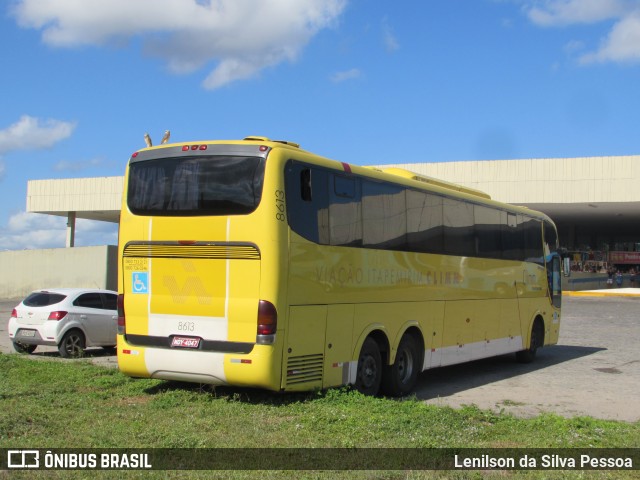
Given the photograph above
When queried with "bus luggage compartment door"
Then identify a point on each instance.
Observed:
(304, 347)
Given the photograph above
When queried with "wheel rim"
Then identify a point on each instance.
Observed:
(369, 371)
(405, 366)
(73, 345)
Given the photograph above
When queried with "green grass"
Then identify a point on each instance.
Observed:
(53, 404)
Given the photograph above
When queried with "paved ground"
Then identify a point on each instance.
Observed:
(594, 370)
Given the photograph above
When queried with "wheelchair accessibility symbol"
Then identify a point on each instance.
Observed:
(140, 282)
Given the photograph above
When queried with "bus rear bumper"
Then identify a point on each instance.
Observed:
(259, 368)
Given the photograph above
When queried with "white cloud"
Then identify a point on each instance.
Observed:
(242, 36)
(29, 230)
(566, 12)
(64, 165)
(622, 43)
(573, 46)
(30, 133)
(32, 230)
(346, 75)
(390, 40)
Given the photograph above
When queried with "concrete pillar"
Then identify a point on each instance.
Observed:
(71, 229)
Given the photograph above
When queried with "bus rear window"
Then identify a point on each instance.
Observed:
(190, 186)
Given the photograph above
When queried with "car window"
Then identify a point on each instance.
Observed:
(89, 300)
(110, 301)
(43, 299)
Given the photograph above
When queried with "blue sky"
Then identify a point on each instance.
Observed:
(361, 81)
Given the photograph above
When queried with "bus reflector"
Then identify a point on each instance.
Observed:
(267, 318)
(121, 317)
(244, 361)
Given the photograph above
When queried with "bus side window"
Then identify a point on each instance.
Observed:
(345, 211)
(459, 228)
(488, 231)
(307, 201)
(344, 187)
(512, 238)
(305, 185)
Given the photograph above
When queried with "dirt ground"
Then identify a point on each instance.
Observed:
(594, 369)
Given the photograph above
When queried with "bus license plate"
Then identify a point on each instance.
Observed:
(27, 333)
(185, 342)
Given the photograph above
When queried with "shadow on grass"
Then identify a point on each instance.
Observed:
(89, 354)
(237, 394)
(438, 382)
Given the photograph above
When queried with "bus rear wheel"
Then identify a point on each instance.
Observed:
(369, 373)
(400, 378)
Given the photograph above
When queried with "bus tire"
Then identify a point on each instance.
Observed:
(537, 340)
(369, 374)
(400, 378)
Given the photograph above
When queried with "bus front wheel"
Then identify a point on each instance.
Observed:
(369, 373)
(400, 378)
(537, 340)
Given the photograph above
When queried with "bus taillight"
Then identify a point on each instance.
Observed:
(267, 323)
(121, 318)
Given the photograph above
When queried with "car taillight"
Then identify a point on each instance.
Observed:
(121, 318)
(267, 322)
(59, 315)
(14, 313)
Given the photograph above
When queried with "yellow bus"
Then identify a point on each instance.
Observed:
(255, 263)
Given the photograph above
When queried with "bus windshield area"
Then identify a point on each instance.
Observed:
(197, 185)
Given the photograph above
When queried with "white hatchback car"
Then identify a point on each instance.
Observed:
(69, 318)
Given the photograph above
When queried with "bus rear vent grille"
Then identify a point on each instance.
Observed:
(304, 369)
(172, 250)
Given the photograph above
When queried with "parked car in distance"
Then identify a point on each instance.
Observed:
(71, 319)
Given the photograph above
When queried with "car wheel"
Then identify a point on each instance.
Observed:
(72, 344)
(23, 347)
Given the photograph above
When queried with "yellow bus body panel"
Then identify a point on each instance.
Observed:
(329, 299)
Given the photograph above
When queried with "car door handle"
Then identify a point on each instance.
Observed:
(83, 317)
